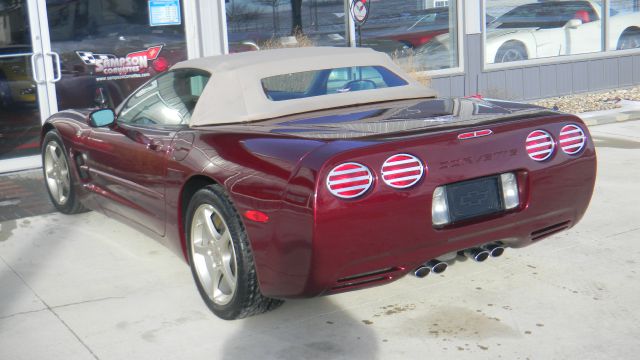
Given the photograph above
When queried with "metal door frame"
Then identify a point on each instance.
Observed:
(43, 76)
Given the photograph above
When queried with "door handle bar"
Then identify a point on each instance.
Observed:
(54, 55)
(33, 68)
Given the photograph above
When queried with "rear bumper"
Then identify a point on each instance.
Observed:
(387, 241)
(386, 233)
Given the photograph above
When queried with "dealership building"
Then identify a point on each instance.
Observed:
(64, 54)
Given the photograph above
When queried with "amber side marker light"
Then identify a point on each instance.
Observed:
(257, 216)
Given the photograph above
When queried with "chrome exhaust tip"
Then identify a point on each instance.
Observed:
(494, 250)
(477, 254)
(421, 271)
(436, 266)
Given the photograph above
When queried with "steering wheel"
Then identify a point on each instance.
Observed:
(357, 85)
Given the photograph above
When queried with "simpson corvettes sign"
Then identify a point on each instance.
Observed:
(134, 64)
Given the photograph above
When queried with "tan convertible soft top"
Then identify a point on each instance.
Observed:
(234, 92)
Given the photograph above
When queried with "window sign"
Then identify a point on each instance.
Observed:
(164, 12)
(360, 11)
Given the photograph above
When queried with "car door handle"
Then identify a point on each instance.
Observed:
(155, 145)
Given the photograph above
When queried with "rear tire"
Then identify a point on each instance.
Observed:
(220, 257)
(57, 175)
(511, 51)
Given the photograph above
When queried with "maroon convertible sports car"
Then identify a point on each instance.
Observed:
(304, 172)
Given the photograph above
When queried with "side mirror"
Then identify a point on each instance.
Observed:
(574, 23)
(102, 117)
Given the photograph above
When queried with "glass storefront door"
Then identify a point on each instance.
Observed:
(63, 54)
(21, 63)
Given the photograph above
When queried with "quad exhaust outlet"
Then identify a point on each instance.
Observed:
(421, 271)
(477, 254)
(494, 249)
(432, 266)
(436, 266)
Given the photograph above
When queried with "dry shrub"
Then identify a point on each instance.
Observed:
(297, 40)
(406, 60)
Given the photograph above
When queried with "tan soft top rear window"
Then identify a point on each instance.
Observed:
(329, 81)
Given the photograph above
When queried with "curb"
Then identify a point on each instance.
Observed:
(630, 110)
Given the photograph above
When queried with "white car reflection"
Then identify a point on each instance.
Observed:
(544, 29)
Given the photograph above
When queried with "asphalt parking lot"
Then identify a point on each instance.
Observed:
(86, 287)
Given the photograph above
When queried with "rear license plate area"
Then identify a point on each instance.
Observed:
(474, 198)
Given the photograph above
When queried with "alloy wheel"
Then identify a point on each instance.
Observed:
(512, 55)
(631, 41)
(57, 172)
(213, 254)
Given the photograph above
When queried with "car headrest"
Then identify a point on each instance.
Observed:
(582, 15)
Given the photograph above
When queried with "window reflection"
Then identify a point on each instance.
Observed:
(422, 35)
(167, 100)
(624, 24)
(264, 24)
(527, 29)
(109, 48)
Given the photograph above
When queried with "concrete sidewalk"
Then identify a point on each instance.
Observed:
(87, 287)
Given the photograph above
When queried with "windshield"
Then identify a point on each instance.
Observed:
(541, 15)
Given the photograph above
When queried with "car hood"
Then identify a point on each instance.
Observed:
(395, 118)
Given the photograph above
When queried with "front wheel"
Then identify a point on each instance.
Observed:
(55, 165)
(630, 39)
(220, 257)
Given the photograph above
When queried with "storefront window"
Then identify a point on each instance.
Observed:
(264, 24)
(624, 24)
(108, 48)
(528, 29)
(423, 34)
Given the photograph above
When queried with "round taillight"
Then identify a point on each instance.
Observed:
(401, 171)
(572, 139)
(540, 145)
(349, 180)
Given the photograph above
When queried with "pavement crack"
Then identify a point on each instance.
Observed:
(49, 308)
(74, 333)
(86, 302)
(623, 232)
(22, 313)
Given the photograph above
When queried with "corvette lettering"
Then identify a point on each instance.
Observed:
(469, 160)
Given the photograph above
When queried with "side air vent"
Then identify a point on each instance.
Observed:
(549, 230)
(365, 278)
